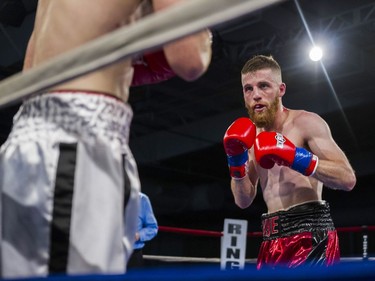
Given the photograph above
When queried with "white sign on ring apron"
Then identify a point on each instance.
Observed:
(233, 244)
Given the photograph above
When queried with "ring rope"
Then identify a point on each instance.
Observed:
(176, 259)
(148, 33)
(200, 232)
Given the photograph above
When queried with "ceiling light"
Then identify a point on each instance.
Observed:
(316, 54)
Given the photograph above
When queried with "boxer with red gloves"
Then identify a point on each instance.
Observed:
(238, 139)
(272, 147)
(297, 227)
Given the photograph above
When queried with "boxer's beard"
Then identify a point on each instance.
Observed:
(265, 118)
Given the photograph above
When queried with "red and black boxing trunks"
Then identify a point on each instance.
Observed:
(302, 235)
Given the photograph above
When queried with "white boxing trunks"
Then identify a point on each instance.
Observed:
(69, 187)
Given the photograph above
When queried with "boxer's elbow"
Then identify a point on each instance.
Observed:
(192, 68)
(345, 183)
(350, 182)
(243, 203)
(190, 57)
(192, 73)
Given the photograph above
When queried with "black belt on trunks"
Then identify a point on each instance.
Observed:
(307, 217)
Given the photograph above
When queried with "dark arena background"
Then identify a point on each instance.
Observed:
(177, 131)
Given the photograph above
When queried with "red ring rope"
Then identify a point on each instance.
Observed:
(200, 232)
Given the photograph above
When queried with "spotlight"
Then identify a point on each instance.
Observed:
(316, 54)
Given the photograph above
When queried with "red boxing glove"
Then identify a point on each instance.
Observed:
(272, 147)
(151, 68)
(238, 139)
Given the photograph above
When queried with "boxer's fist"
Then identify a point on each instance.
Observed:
(151, 68)
(238, 139)
(272, 147)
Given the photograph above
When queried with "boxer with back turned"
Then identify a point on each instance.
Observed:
(67, 175)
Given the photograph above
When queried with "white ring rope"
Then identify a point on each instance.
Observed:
(148, 33)
(178, 259)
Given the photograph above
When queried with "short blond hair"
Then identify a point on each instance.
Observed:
(259, 62)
